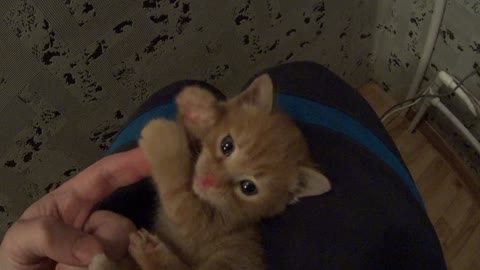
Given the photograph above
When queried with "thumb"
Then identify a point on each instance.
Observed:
(28, 242)
(84, 248)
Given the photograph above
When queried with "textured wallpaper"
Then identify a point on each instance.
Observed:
(399, 39)
(72, 71)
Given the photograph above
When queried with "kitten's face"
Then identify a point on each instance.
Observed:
(253, 161)
(249, 162)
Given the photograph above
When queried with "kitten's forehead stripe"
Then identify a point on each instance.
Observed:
(260, 174)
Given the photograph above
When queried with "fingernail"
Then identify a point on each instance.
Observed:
(86, 247)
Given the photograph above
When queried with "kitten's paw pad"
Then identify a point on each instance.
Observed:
(102, 262)
(143, 241)
(146, 249)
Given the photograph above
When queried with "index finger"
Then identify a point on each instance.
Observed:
(106, 175)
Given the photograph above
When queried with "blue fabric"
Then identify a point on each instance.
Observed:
(302, 110)
(131, 133)
(310, 112)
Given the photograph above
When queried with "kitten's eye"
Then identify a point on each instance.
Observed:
(248, 187)
(226, 146)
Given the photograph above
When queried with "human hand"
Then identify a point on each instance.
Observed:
(59, 229)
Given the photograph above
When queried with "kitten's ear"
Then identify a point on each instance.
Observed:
(258, 94)
(311, 183)
(198, 110)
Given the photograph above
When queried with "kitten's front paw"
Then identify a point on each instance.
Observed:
(159, 130)
(146, 249)
(197, 110)
(143, 241)
(162, 138)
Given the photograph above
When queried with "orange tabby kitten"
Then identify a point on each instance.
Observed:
(253, 162)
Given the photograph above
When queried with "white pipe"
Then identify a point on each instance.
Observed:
(432, 89)
(452, 83)
(442, 79)
(446, 79)
(465, 132)
(427, 52)
(436, 85)
(421, 112)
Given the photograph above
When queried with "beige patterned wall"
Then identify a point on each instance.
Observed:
(72, 71)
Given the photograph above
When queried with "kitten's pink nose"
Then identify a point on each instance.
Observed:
(209, 181)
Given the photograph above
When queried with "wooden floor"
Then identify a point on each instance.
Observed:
(451, 206)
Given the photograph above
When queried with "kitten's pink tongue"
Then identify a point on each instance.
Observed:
(208, 181)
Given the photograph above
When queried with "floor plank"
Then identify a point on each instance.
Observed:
(459, 209)
(468, 251)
